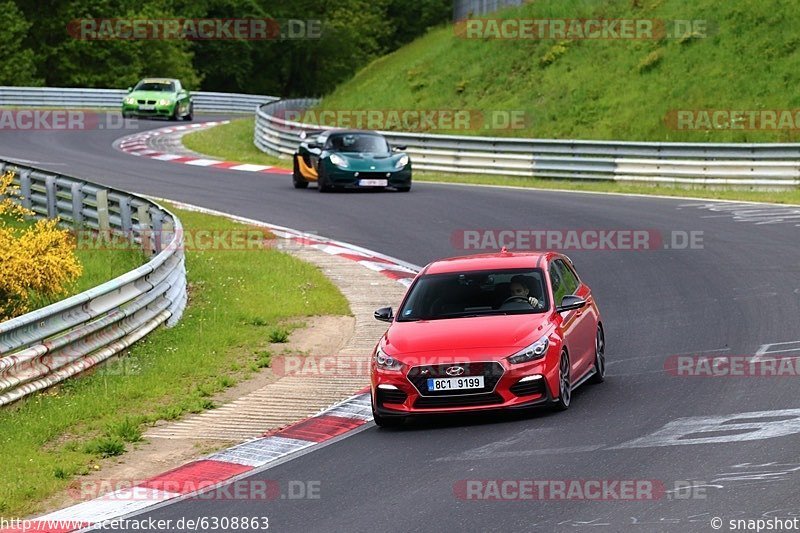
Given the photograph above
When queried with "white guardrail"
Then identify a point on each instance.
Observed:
(46, 346)
(763, 166)
(112, 98)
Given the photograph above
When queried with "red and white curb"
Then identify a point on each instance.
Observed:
(388, 266)
(139, 144)
(207, 474)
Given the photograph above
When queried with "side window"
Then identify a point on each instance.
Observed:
(559, 289)
(178, 87)
(568, 277)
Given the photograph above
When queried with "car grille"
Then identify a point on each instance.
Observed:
(391, 396)
(491, 372)
(458, 401)
(151, 102)
(528, 388)
(372, 175)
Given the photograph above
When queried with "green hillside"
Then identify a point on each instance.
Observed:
(603, 88)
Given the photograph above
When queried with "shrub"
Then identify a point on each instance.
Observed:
(34, 260)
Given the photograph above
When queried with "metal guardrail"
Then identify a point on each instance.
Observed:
(463, 9)
(46, 346)
(112, 98)
(765, 165)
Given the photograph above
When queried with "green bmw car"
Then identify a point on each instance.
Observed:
(158, 97)
(350, 159)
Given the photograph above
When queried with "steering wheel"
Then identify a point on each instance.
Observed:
(520, 299)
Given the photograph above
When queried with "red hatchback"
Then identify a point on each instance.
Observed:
(493, 331)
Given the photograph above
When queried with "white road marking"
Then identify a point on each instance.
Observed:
(754, 425)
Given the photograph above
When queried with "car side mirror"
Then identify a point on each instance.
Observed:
(570, 303)
(384, 314)
(399, 148)
(314, 146)
(130, 89)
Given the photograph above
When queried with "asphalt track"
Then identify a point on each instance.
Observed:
(738, 293)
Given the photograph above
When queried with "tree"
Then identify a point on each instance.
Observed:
(17, 65)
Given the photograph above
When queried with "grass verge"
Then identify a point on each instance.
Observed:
(237, 300)
(229, 142)
(237, 146)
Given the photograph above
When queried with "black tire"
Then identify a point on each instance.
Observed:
(599, 356)
(174, 115)
(297, 180)
(190, 115)
(387, 421)
(322, 182)
(564, 384)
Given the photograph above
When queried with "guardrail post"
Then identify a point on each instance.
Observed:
(145, 229)
(125, 218)
(50, 187)
(77, 204)
(102, 211)
(158, 222)
(25, 187)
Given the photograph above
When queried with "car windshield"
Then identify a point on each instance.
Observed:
(358, 142)
(475, 293)
(156, 86)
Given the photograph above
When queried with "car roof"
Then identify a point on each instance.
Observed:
(159, 80)
(498, 260)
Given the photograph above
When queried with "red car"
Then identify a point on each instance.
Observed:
(493, 331)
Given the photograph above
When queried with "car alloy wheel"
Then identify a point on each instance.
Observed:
(599, 356)
(564, 383)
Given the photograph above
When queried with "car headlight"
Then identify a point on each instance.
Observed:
(402, 162)
(532, 352)
(130, 100)
(386, 362)
(339, 161)
(164, 101)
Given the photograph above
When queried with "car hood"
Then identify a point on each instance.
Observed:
(151, 95)
(364, 162)
(497, 336)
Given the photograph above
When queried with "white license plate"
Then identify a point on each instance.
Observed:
(147, 107)
(373, 183)
(466, 382)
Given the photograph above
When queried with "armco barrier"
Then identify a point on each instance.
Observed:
(112, 98)
(765, 165)
(44, 347)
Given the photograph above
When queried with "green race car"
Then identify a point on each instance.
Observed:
(350, 159)
(158, 97)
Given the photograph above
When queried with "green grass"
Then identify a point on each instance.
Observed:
(99, 266)
(236, 299)
(600, 89)
(238, 135)
(220, 143)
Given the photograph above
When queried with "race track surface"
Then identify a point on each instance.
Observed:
(737, 294)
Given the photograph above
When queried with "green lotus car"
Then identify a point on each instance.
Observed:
(350, 159)
(158, 97)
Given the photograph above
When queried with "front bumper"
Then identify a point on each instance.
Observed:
(156, 111)
(350, 179)
(397, 394)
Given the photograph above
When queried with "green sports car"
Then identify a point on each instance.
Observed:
(158, 97)
(350, 159)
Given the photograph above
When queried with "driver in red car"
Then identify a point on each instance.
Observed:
(519, 288)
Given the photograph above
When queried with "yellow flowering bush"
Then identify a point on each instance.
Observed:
(35, 260)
